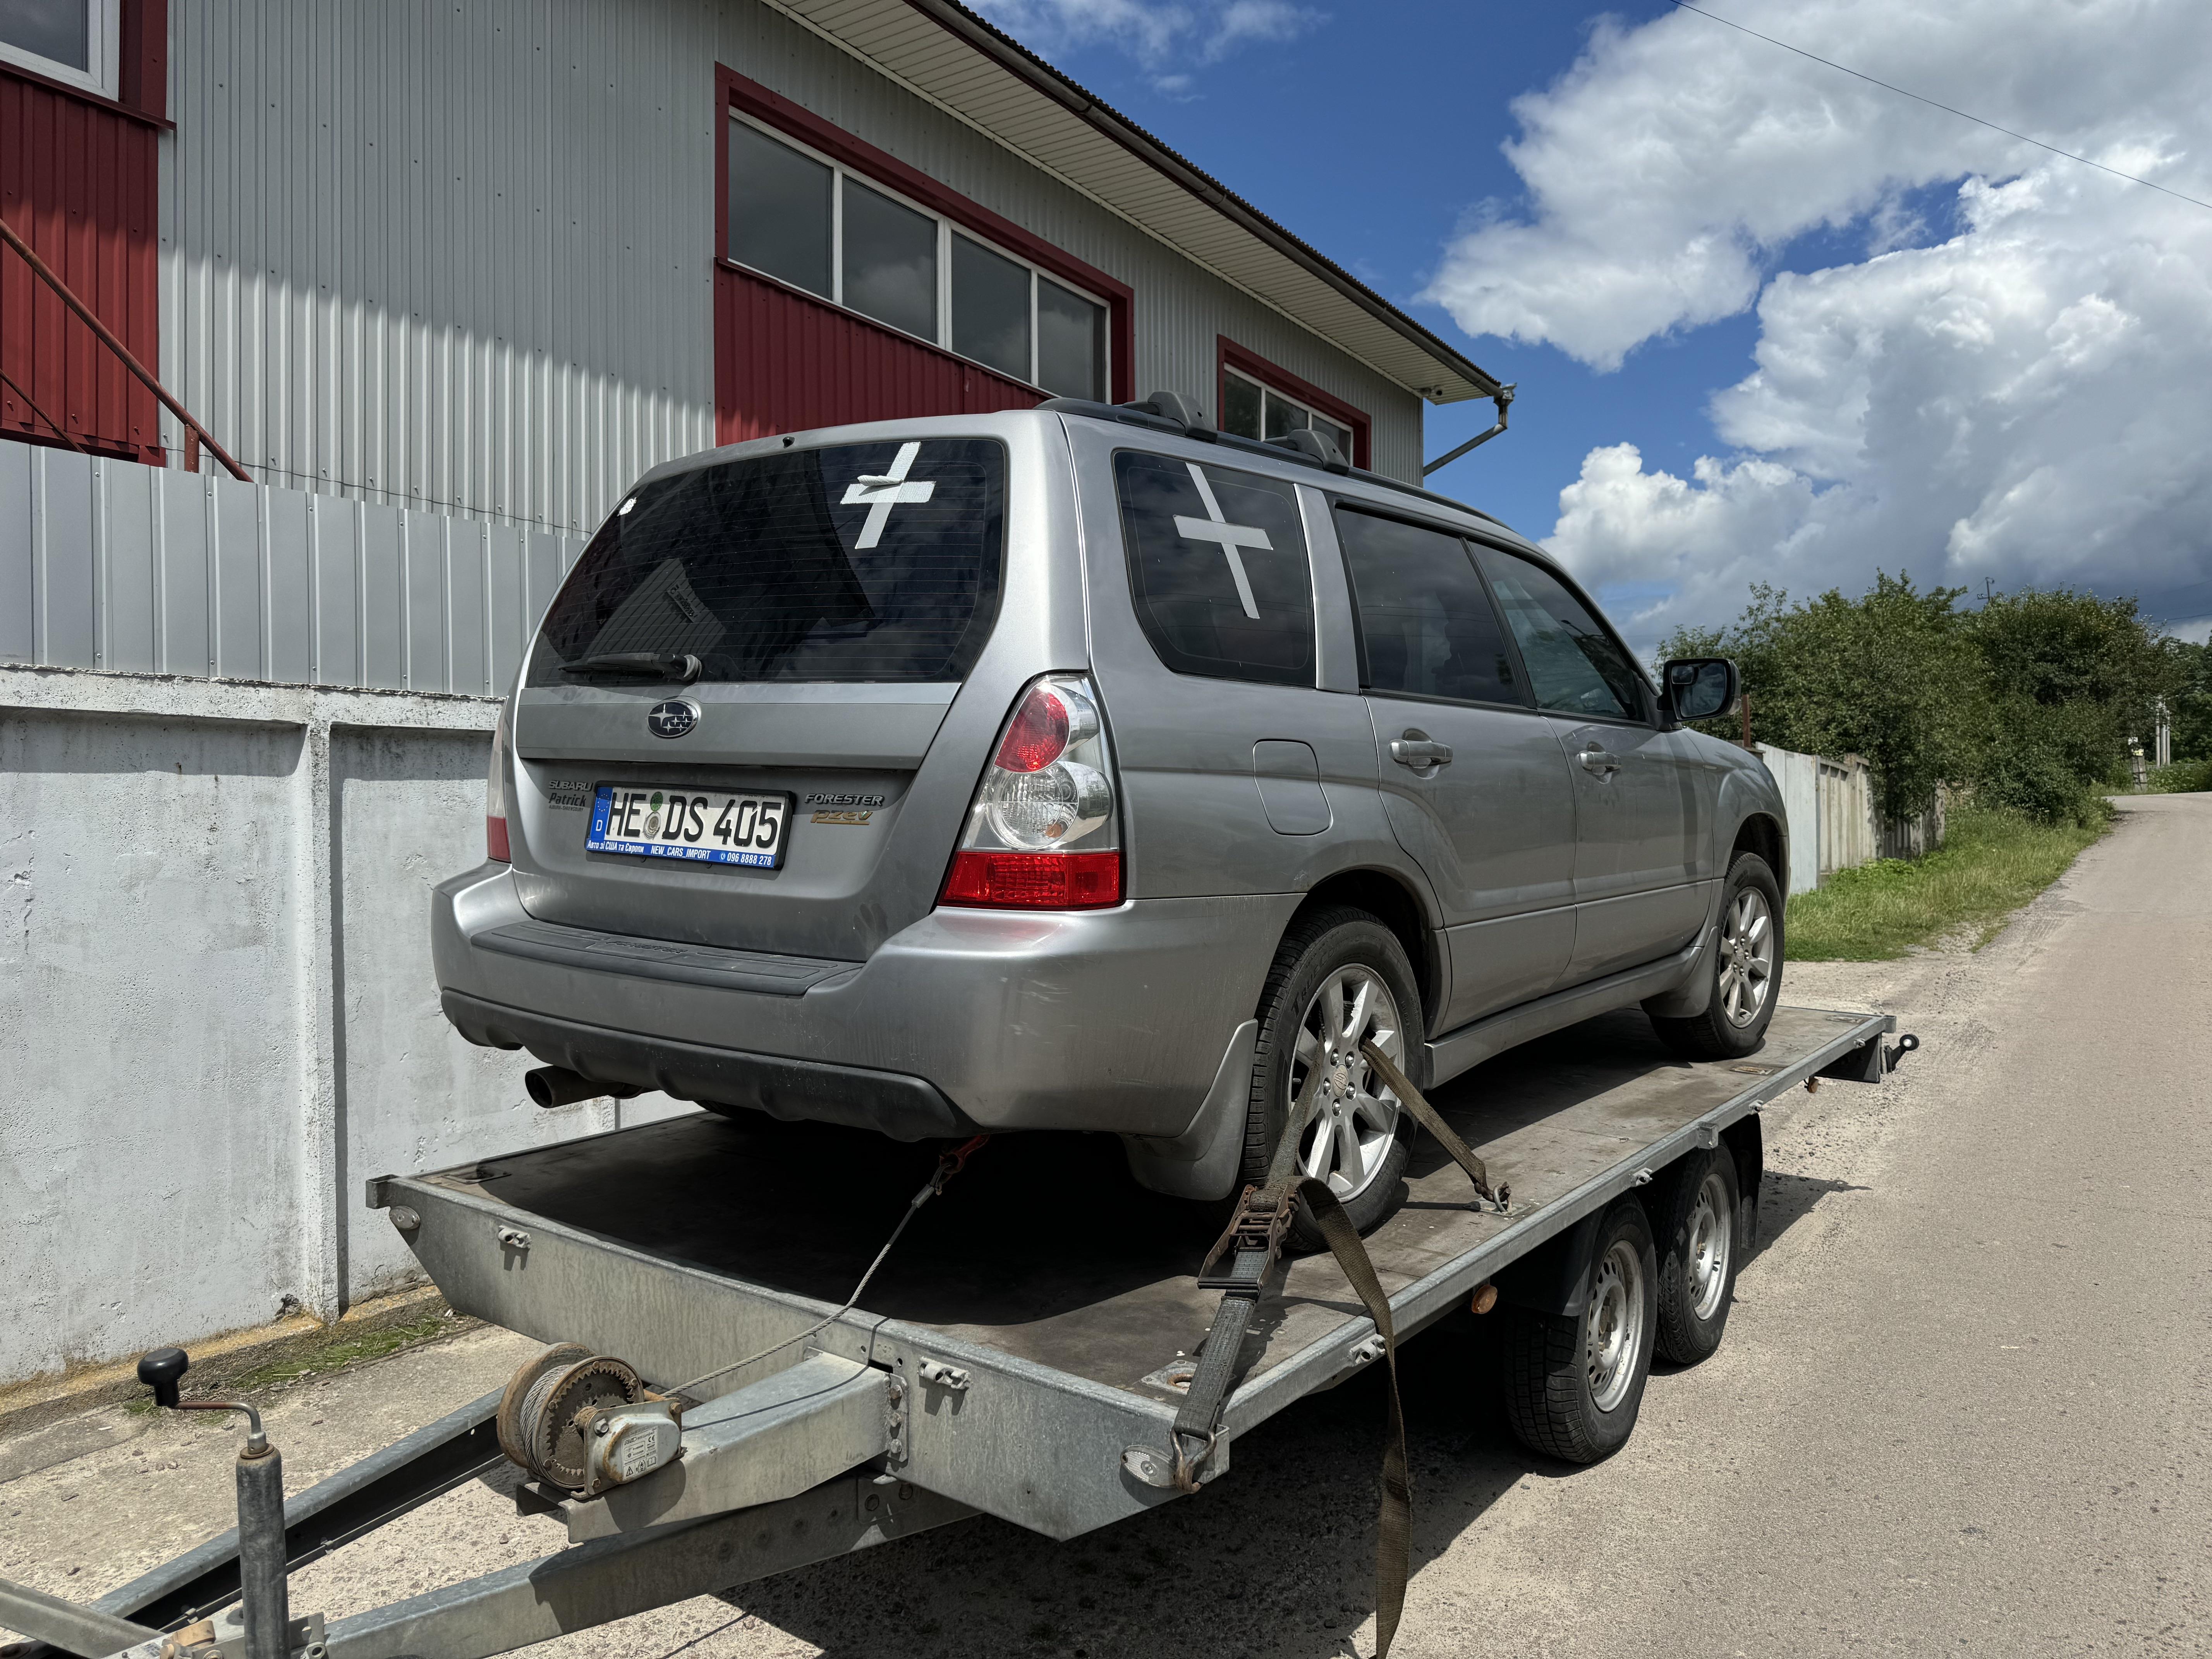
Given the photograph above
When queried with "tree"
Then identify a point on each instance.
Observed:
(1890, 675)
(2072, 677)
(2031, 699)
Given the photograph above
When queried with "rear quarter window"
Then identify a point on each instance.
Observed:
(1218, 568)
(874, 561)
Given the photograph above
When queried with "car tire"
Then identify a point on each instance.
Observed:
(1701, 1239)
(1325, 959)
(1745, 969)
(1574, 1382)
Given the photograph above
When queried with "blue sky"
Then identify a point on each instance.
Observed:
(1841, 330)
(1378, 178)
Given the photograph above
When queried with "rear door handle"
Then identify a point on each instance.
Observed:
(1597, 760)
(1417, 749)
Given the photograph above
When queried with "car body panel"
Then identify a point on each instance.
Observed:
(837, 987)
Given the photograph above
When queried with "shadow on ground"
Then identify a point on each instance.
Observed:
(1277, 1560)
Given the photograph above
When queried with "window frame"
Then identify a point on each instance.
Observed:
(1526, 705)
(1139, 603)
(104, 50)
(1267, 392)
(947, 226)
(1649, 693)
(1230, 358)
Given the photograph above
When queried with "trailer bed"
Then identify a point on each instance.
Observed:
(1046, 1273)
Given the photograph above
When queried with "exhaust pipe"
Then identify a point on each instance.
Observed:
(556, 1085)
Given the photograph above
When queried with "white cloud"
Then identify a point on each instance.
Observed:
(1168, 38)
(2028, 399)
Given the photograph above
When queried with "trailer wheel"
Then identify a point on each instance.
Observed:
(1746, 971)
(1699, 1234)
(1575, 1382)
(1339, 978)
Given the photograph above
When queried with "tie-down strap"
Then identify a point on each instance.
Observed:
(1427, 1116)
(1250, 1248)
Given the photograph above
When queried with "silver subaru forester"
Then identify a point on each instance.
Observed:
(1084, 769)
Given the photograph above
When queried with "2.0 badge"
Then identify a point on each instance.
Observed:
(672, 719)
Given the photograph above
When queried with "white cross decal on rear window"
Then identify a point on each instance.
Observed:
(884, 493)
(1216, 528)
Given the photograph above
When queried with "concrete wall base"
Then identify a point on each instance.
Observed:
(218, 1012)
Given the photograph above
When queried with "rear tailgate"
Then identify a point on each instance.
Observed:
(856, 603)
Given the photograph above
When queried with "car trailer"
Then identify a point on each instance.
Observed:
(1025, 1351)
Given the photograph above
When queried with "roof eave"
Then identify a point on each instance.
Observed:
(1033, 72)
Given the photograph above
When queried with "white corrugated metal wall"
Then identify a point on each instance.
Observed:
(460, 257)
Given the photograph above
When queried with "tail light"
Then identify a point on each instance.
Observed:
(1042, 834)
(495, 845)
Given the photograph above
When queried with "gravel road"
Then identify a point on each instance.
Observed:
(1965, 1404)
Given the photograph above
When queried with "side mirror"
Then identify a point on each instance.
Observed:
(1699, 688)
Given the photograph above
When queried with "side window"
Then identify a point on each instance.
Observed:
(1574, 665)
(1426, 627)
(1218, 568)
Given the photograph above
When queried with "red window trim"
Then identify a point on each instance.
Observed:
(143, 74)
(1252, 366)
(748, 97)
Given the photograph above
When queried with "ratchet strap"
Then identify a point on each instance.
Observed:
(1251, 1246)
(1427, 1116)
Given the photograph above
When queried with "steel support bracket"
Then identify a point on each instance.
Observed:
(768, 1441)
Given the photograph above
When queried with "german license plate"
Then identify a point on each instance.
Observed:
(706, 826)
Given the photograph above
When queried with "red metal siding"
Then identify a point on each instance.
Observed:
(785, 361)
(78, 182)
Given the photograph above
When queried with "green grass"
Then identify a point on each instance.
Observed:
(1990, 865)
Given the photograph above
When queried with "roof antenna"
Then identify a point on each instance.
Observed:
(1503, 398)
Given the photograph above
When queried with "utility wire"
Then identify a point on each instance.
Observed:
(1684, 5)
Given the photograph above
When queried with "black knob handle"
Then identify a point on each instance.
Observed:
(162, 1370)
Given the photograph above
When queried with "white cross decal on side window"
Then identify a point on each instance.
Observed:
(1215, 528)
(884, 493)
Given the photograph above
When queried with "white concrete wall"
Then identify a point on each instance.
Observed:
(217, 1014)
(1797, 777)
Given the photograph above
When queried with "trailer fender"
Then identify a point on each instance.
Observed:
(1554, 1277)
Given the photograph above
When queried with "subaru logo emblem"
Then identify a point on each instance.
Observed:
(672, 719)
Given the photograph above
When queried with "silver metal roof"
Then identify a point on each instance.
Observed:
(945, 53)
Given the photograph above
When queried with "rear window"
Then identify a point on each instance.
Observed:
(1218, 567)
(860, 562)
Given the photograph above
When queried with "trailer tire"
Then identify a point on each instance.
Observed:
(1331, 942)
(1746, 984)
(1701, 1235)
(1575, 1382)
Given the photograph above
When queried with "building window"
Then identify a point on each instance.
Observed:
(1249, 410)
(71, 41)
(806, 220)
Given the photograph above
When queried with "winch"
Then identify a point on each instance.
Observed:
(585, 1423)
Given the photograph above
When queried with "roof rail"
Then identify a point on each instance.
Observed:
(1178, 415)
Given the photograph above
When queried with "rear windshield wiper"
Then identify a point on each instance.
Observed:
(639, 666)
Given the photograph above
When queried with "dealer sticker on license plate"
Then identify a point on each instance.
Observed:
(707, 826)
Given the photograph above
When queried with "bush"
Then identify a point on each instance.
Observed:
(2182, 778)
(2051, 763)
(2031, 700)
(1890, 675)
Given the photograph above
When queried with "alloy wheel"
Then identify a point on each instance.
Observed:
(1355, 1115)
(1746, 968)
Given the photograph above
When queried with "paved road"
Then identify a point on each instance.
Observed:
(1965, 1405)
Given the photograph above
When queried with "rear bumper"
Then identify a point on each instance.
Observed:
(1109, 1020)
